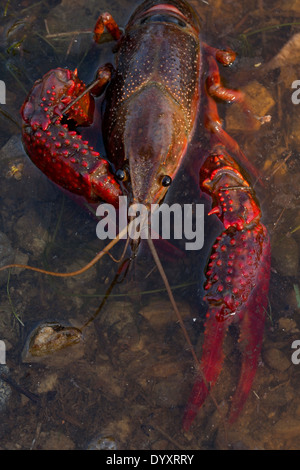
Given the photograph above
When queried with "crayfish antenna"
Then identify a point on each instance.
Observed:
(191, 412)
(73, 273)
(171, 297)
(123, 266)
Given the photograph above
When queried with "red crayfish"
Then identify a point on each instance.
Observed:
(153, 99)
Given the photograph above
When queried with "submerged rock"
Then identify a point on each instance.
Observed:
(5, 389)
(49, 338)
(260, 101)
(6, 256)
(31, 235)
(159, 312)
(285, 254)
(287, 427)
(54, 440)
(276, 359)
(103, 443)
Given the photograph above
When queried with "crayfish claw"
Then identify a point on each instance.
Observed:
(252, 320)
(58, 151)
(237, 282)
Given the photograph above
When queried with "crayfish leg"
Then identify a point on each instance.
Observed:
(103, 77)
(105, 20)
(224, 56)
(213, 124)
(214, 88)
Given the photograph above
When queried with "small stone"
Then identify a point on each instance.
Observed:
(32, 240)
(280, 172)
(20, 258)
(103, 443)
(5, 389)
(164, 369)
(107, 380)
(169, 392)
(288, 324)
(86, 279)
(54, 441)
(287, 428)
(13, 147)
(259, 100)
(162, 444)
(118, 325)
(291, 5)
(160, 312)
(276, 359)
(294, 132)
(284, 200)
(6, 256)
(48, 383)
(285, 254)
(241, 439)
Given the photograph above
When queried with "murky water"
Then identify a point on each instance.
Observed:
(127, 384)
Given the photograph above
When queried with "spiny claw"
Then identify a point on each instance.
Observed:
(237, 281)
(50, 95)
(234, 201)
(59, 152)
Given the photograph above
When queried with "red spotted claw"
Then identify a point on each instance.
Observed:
(61, 153)
(237, 282)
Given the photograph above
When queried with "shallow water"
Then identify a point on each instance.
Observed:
(127, 384)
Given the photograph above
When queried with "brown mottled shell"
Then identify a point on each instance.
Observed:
(48, 338)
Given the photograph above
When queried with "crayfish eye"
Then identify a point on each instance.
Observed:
(121, 175)
(166, 180)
